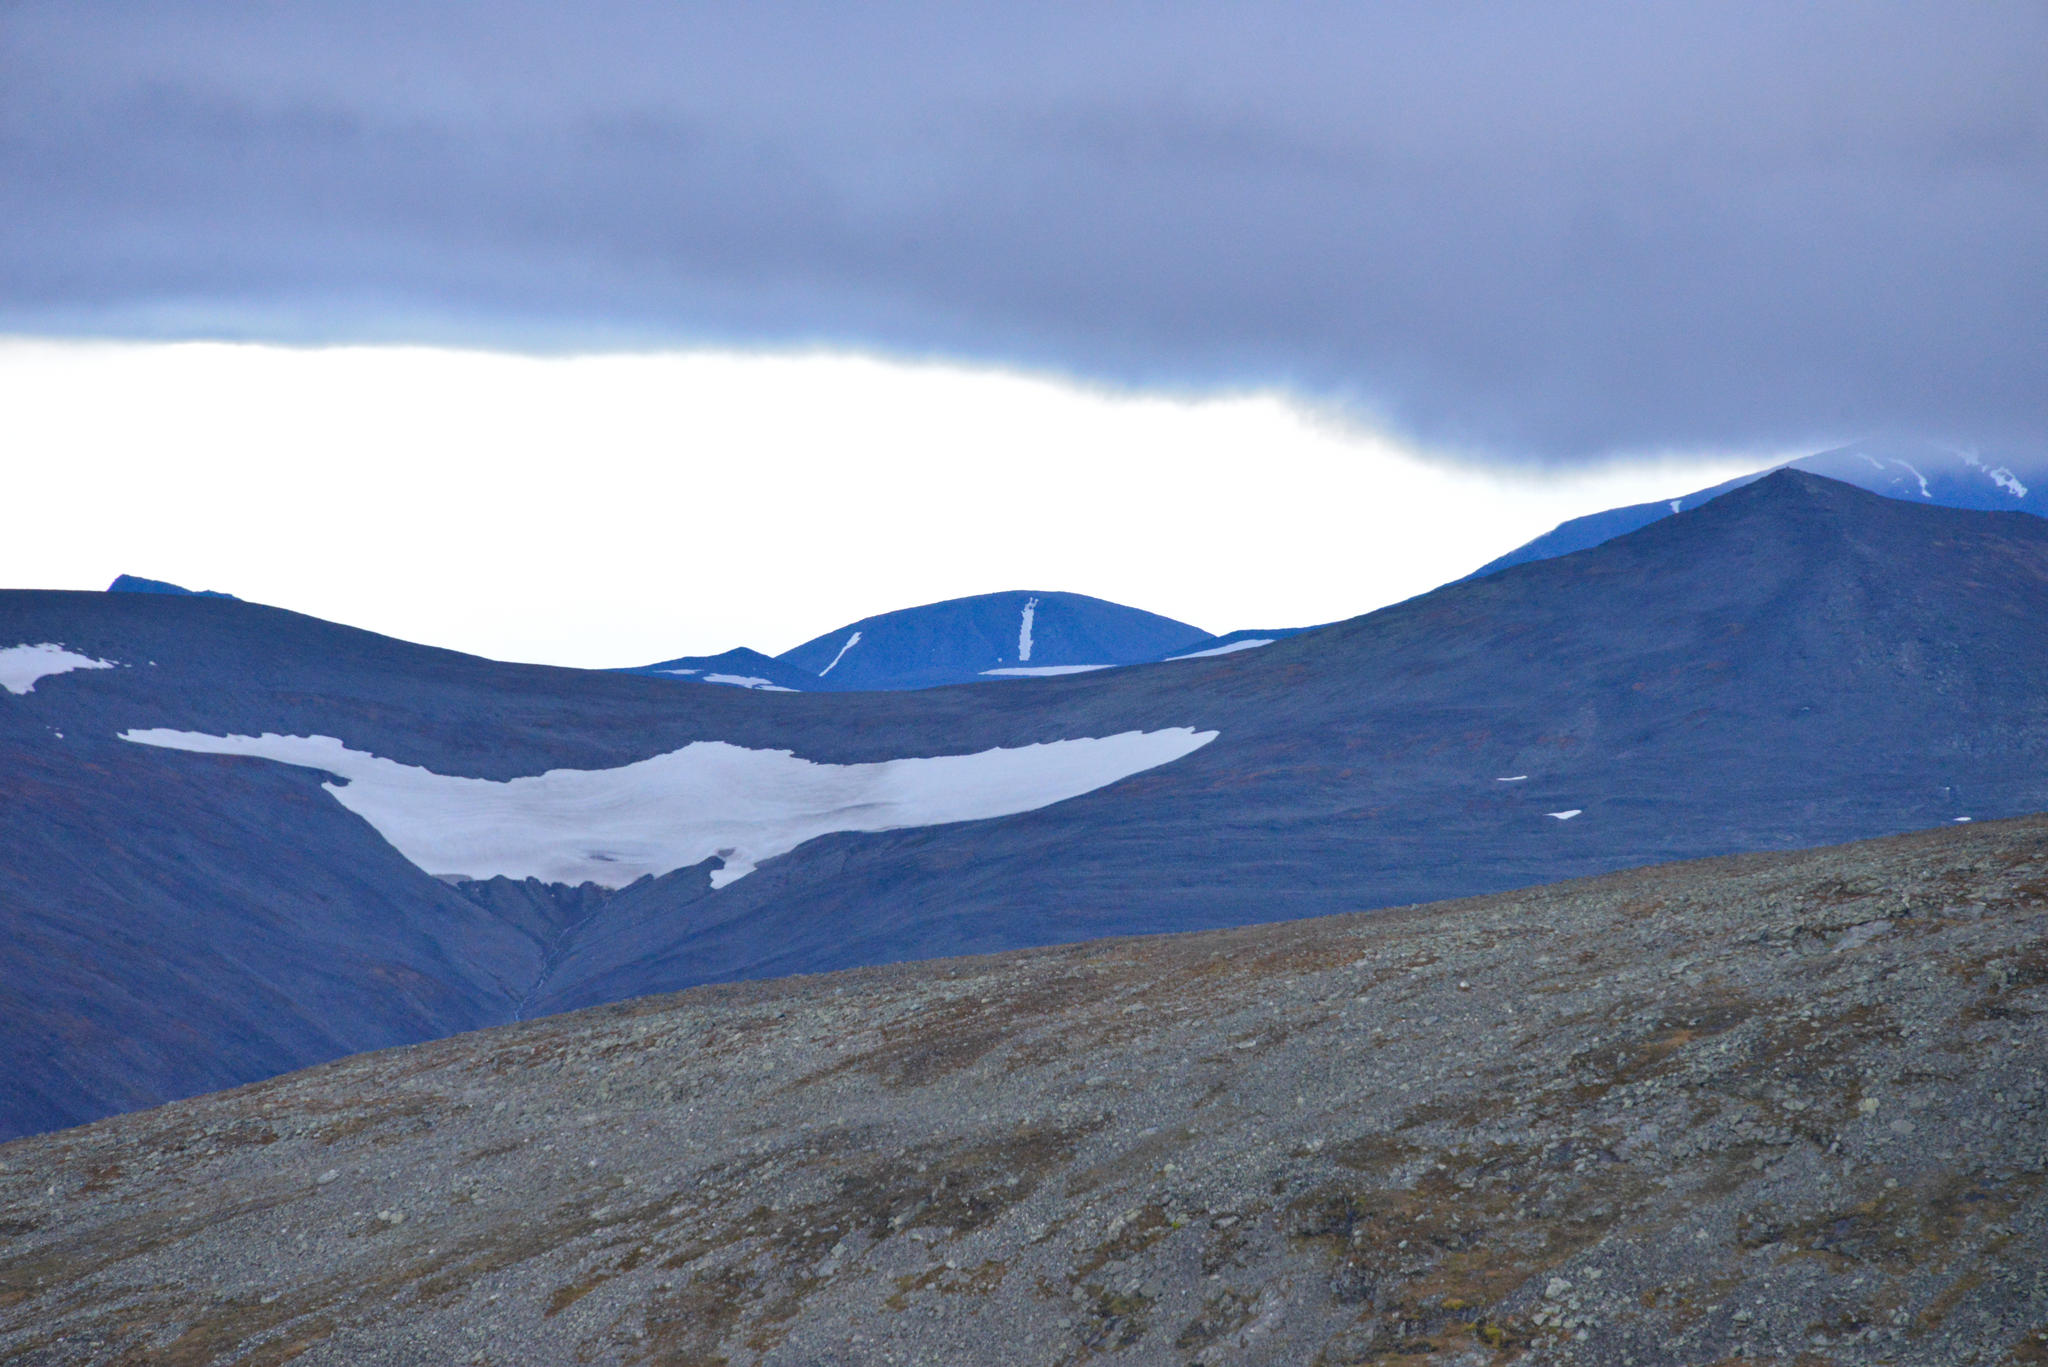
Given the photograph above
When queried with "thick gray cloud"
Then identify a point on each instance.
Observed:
(1550, 230)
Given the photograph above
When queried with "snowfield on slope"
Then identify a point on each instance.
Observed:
(1230, 649)
(21, 666)
(708, 799)
(1039, 671)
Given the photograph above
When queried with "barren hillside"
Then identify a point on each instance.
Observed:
(1778, 1107)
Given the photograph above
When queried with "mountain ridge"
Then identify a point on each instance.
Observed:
(1798, 662)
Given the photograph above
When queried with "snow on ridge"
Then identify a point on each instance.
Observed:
(708, 799)
(1230, 649)
(1024, 632)
(22, 665)
(1908, 466)
(747, 681)
(1040, 671)
(851, 642)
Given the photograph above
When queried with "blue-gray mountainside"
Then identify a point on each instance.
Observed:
(1797, 662)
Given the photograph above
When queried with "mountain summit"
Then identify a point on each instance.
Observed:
(1018, 634)
(1916, 471)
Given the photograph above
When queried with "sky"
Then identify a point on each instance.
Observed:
(612, 510)
(1528, 247)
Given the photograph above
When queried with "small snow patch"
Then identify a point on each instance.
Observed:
(1040, 671)
(679, 671)
(21, 666)
(1962, 818)
(1513, 778)
(747, 681)
(1230, 649)
(1566, 815)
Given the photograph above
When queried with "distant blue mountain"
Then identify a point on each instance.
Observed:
(1796, 663)
(1012, 635)
(741, 668)
(132, 583)
(1919, 472)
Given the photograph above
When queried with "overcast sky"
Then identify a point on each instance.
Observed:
(1518, 237)
(1554, 230)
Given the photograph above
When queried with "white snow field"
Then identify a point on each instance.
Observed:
(21, 666)
(611, 826)
(1230, 649)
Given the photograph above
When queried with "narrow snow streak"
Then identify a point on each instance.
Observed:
(1230, 649)
(1512, 778)
(1040, 671)
(851, 642)
(21, 666)
(747, 681)
(1566, 815)
(708, 799)
(1024, 632)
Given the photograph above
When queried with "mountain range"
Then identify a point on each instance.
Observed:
(240, 840)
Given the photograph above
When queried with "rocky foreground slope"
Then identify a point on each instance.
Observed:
(1778, 1107)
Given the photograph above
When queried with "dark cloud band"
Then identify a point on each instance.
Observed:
(1552, 230)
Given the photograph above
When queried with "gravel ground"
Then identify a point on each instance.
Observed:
(1778, 1108)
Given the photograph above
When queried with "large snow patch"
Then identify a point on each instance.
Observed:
(611, 826)
(21, 666)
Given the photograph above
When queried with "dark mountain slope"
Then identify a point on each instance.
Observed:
(1796, 663)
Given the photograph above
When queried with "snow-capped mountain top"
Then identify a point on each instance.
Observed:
(1919, 471)
(1953, 476)
(990, 636)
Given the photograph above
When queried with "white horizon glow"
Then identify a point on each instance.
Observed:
(618, 509)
